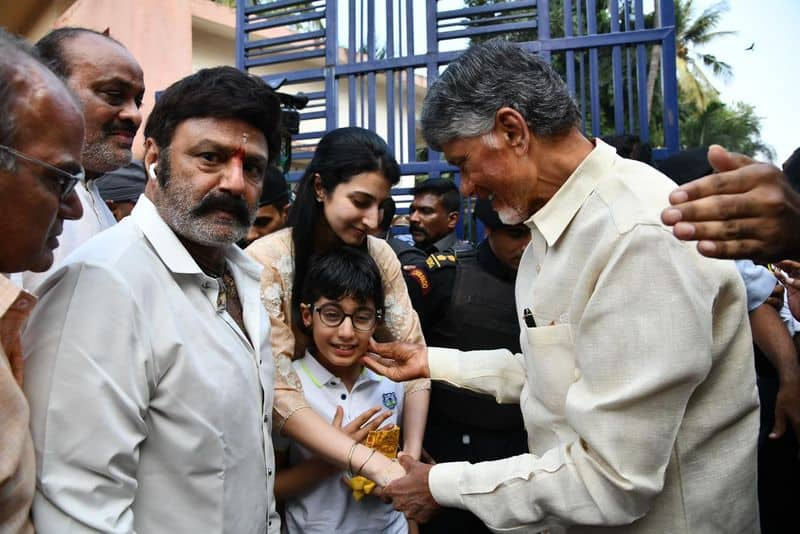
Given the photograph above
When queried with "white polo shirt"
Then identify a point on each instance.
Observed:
(330, 506)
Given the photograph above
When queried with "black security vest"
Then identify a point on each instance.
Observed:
(481, 315)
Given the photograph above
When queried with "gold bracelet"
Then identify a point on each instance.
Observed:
(350, 459)
(371, 452)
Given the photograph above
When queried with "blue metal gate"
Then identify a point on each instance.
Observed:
(368, 63)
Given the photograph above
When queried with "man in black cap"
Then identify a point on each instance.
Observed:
(121, 188)
(273, 207)
(465, 300)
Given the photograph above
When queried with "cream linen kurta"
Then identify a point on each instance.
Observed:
(17, 465)
(96, 218)
(636, 385)
(149, 406)
(274, 252)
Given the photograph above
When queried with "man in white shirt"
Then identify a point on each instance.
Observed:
(41, 134)
(155, 415)
(110, 85)
(636, 378)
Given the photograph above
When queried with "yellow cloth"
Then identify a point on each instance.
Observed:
(384, 441)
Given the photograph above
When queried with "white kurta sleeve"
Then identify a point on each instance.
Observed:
(90, 375)
(498, 372)
(641, 347)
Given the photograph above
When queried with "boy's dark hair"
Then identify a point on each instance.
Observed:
(219, 93)
(343, 272)
(51, 49)
(275, 191)
(445, 189)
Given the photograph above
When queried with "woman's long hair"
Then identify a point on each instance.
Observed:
(340, 155)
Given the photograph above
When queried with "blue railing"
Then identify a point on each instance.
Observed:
(362, 62)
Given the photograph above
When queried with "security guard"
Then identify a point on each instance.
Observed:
(465, 300)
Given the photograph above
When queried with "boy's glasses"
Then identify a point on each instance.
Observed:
(363, 319)
(66, 180)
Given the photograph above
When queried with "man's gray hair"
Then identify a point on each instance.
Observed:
(14, 53)
(464, 100)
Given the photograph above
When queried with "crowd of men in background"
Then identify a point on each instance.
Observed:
(58, 192)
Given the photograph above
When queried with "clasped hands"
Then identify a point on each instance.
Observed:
(411, 493)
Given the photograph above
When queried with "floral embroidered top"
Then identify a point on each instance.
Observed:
(274, 252)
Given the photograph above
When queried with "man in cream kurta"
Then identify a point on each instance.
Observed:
(636, 380)
(155, 415)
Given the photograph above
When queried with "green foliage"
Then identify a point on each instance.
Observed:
(735, 127)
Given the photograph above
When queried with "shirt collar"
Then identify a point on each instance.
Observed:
(322, 377)
(170, 249)
(12, 295)
(554, 217)
(445, 243)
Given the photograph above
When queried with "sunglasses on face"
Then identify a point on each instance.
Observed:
(66, 181)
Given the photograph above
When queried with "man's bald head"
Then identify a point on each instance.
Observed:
(109, 83)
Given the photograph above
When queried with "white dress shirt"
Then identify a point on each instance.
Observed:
(636, 383)
(330, 507)
(150, 408)
(96, 218)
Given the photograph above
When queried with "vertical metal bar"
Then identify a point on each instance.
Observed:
(331, 59)
(616, 67)
(390, 75)
(669, 83)
(432, 73)
(351, 58)
(371, 101)
(409, 27)
(543, 16)
(401, 123)
(570, 54)
(594, 68)
(629, 72)
(641, 75)
(581, 65)
(411, 112)
(240, 35)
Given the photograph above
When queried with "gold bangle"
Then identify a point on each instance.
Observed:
(350, 459)
(371, 452)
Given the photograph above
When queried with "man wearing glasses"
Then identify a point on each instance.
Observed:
(155, 416)
(109, 84)
(41, 134)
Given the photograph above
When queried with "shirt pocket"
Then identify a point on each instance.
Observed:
(551, 365)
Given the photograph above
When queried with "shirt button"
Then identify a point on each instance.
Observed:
(269, 472)
(344, 397)
(538, 268)
(266, 419)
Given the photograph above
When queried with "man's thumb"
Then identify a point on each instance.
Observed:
(722, 160)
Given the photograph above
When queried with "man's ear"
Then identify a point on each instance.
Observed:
(452, 220)
(510, 129)
(151, 152)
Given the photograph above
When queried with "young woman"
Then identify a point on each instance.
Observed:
(338, 203)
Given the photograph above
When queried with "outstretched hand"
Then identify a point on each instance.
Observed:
(745, 210)
(398, 361)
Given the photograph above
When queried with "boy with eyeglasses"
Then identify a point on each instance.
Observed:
(342, 305)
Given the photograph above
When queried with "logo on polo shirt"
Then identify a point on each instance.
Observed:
(390, 400)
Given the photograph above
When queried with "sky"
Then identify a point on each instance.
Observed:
(768, 77)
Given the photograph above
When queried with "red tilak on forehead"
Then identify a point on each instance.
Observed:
(239, 153)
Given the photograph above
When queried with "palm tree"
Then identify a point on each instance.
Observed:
(690, 33)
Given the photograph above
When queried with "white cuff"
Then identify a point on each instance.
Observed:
(443, 481)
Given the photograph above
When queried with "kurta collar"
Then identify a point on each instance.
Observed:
(170, 249)
(554, 217)
(322, 377)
